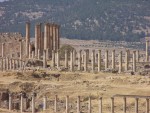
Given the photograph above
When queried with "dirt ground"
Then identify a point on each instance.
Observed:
(79, 84)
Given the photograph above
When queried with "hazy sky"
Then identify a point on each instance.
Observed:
(2, 0)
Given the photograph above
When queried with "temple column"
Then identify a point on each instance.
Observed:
(127, 60)
(134, 61)
(71, 61)
(93, 60)
(21, 50)
(136, 105)
(106, 59)
(36, 40)
(99, 60)
(113, 59)
(55, 106)
(3, 46)
(112, 104)
(21, 103)
(137, 56)
(124, 105)
(39, 55)
(147, 50)
(120, 62)
(67, 104)
(7, 63)
(33, 54)
(89, 105)
(100, 105)
(10, 62)
(27, 38)
(53, 58)
(54, 36)
(78, 104)
(85, 61)
(46, 36)
(30, 50)
(10, 102)
(58, 60)
(44, 59)
(2, 64)
(44, 103)
(147, 105)
(33, 103)
(79, 60)
(66, 59)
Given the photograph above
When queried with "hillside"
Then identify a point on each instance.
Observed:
(81, 19)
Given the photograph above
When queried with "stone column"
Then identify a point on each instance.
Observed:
(120, 62)
(33, 54)
(27, 38)
(10, 102)
(79, 60)
(112, 104)
(100, 105)
(83, 58)
(7, 63)
(14, 64)
(67, 104)
(85, 61)
(57, 37)
(99, 60)
(33, 103)
(136, 105)
(124, 105)
(113, 59)
(78, 104)
(2, 64)
(93, 60)
(39, 55)
(66, 59)
(51, 37)
(21, 103)
(44, 103)
(89, 105)
(30, 50)
(134, 61)
(55, 106)
(137, 56)
(21, 50)
(3, 46)
(147, 105)
(127, 60)
(106, 60)
(10, 62)
(58, 60)
(147, 50)
(54, 36)
(36, 40)
(47, 54)
(74, 57)
(5, 68)
(44, 59)
(71, 61)
(46, 36)
(53, 58)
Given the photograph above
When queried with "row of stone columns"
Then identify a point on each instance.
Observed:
(11, 64)
(100, 105)
(125, 105)
(48, 40)
(22, 109)
(93, 67)
(78, 104)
